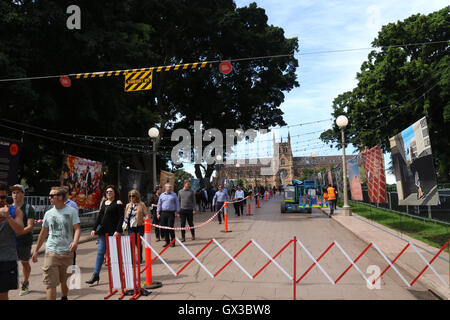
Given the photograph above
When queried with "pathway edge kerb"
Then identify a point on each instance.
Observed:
(443, 294)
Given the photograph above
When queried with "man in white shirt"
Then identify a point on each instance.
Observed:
(239, 195)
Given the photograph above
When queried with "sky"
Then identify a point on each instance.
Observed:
(329, 25)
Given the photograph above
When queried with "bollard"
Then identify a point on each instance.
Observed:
(149, 283)
(257, 201)
(225, 217)
(266, 196)
(249, 206)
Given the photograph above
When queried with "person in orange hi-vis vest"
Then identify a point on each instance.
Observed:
(331, 198)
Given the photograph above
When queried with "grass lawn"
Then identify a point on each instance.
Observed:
(434, 234)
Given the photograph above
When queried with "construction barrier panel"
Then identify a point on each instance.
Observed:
(293, 277)
(123, 265)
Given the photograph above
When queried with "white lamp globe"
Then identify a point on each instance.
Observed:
(219, 157)
(153, 133)
(342, 121)
(313, 154)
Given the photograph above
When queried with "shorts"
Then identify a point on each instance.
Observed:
(55, 268)
(24, 252)
(9, 276)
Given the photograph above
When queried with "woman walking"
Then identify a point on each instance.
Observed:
(109, 221)
(135, 214)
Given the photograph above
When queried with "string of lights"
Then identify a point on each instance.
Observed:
(256, 58)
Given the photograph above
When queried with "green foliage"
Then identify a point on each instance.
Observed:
(180, 176)
(399, 85)
(127, 34)
(434, 234)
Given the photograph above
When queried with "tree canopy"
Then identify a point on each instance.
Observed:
(399, 84)
(134, 34)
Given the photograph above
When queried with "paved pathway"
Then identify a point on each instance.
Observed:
(272, 231)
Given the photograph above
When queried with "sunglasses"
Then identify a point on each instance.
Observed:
(109, 191)
(54, 195)
(132, 196)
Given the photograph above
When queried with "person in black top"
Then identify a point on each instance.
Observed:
(159, 233)
(109, 221)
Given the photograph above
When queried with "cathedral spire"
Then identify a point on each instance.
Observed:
(289, 138)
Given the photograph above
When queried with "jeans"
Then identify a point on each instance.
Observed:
(218, 206)
(101, 250)
(167, 219)
(186, 214)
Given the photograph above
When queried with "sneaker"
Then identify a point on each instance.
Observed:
(24, 289)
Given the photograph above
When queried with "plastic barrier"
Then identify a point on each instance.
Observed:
(123, 265)
(294, 242)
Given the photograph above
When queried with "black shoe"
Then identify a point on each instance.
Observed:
(166, 244)
(94, 278)
(158, 239)
(173, 244)
(64, 298)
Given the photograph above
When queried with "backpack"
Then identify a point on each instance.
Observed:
(12, 213)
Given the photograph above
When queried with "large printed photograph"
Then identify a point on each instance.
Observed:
(84, 179)
(375, 175)
(355, 181)
(413, 165)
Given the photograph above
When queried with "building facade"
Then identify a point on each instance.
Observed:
(276, 171)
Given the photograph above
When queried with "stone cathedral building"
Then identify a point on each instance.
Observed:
(286, 167)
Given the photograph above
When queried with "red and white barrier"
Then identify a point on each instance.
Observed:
(295, 242)
(123, 265)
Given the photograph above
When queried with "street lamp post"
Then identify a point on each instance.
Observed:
(153, 133)
(342, 122)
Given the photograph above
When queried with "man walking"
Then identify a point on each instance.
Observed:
(168, 205)
(239, 206)
(218, 200)
(11, 223)
(205, 199)
(331, 191)
(25, 240)
(62, 226)
(187, 204)
(211, 193)
(73, 204)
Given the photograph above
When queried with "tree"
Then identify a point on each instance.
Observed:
(180, 176)
(133, 34)
(250, 96)
(399, 85)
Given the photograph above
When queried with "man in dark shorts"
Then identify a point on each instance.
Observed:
(11, 223)
(25, 240)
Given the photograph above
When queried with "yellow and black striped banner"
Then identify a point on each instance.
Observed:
(176, 67)
(139, 80)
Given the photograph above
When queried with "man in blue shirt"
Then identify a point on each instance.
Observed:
(219, 198)
(168, 205)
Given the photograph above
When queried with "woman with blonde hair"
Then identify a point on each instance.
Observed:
(135, 214)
